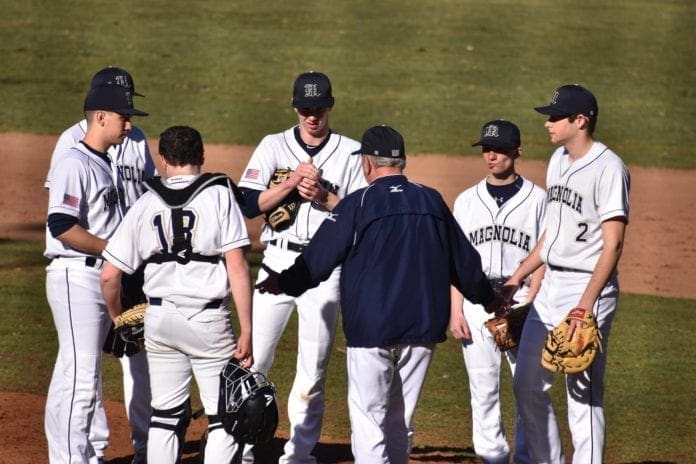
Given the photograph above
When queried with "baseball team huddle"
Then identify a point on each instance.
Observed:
(519, 274)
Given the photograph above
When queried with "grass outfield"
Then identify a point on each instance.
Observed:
(651, 369)
(434, 69)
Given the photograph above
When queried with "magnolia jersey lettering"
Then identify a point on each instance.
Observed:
(213, 225)
(581, 195)
(131, 162)
(82, 187)
(341, 173)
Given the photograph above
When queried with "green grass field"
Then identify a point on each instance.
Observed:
(434, 69)
(649, 401)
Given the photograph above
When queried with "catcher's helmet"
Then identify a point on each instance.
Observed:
(247, 404)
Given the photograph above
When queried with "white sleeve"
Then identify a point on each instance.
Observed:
(262, 165)
(234, 232)
(612, 192)
(67, 194)
(122, 248)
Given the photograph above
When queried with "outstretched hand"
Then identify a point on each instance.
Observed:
(271, 284)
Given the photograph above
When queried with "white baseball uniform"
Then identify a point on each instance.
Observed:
(131, 164)
(318, 307)
(581, 195)
(503, 236)
(82, 187)
(187, 324)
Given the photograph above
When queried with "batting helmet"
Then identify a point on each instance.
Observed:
(247, 404)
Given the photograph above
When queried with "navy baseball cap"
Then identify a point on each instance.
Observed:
(112, 98)
(571, 99)
(382, 141)
(312, 90)
(114, 76)
(499, 134)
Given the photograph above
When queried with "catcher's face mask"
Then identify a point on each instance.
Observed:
(247, 404)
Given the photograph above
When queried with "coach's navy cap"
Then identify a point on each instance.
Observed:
(499, 134)
(382, 141)
(114, 76)
(112, 98)
(312, 90)
(571, 99)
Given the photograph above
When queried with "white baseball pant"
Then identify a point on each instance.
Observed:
(560, 292)
(483, 362)
(317, 311)
(384, 385)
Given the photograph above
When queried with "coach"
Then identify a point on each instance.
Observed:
(400, 249)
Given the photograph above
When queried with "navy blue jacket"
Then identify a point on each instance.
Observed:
(400, 248)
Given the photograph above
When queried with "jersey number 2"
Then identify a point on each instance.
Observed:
(583, 230)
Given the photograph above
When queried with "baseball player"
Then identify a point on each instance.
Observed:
(189, 232)
(83, 212)
(324, 172)
(503, 217)
(131, 163)
(587, 212)
(401, 249)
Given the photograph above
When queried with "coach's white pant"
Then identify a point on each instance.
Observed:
(182, 343)
(483, 362)
(317, 311)
(560, 292)
(383, 389)
(81, 320)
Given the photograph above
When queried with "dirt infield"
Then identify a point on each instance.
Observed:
(659, 249)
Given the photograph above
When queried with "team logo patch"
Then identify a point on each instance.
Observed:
(311, 91)
(554, 99)
(491, 131)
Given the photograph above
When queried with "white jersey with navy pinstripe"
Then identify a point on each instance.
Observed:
(82, 187)
(216, 225)
(340, 172)
(581, 195)
(131, 162)
(504, 235)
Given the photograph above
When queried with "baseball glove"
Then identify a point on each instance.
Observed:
(574, 355)
(285, 213)
(127, 336)
(507, 329)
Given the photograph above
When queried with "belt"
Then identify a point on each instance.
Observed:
(91, 261)
(288, 245)
(567, 269)
(214, 304)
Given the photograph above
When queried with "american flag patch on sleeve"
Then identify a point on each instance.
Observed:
(70, 200)
(252, 174)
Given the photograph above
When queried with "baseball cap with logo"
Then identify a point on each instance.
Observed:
(499, 134)
(571, 99)
(382, 141)
(114, 76)
(112, 98)
(312, 90)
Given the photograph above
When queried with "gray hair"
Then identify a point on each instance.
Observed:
(382, 161)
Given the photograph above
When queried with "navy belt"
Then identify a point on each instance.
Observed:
(91, 261)
(211, 305)
(567, 269)
(292, 246)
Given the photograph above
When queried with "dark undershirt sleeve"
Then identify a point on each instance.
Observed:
(250, 205)
(59, 223)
